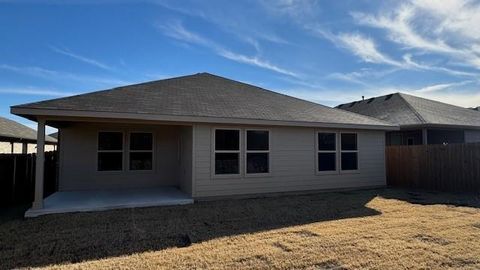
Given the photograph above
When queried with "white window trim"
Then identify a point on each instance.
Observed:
(110, 151)
(348, 151)
(246, 151)
(128, 150)
(337, 159)
(214, 151)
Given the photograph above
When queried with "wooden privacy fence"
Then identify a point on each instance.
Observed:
(17, 177)
(452, 167)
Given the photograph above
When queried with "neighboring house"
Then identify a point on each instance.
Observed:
(17, 138)
(209, 136)
(421, 121)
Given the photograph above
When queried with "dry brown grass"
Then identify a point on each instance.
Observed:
(373, 229)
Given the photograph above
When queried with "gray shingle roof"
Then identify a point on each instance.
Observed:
(408, 110)
(10, 129)
(204, 95)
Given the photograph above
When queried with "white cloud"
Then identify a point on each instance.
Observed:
(255, 61)
(228, 19)
(301, 10)
(458, 17)
(363, 76)
(177, 31)
(411, 63)
(440, 87)
(84, 59)
(448, 28)
(365, 48)
(35, 92)
(55, 75)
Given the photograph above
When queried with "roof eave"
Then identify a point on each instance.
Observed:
(32, 113)
(433, 125)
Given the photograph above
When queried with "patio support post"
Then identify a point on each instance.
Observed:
(39, 165)
(424, 136)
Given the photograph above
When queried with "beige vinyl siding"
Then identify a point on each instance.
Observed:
(472, 136)
(78, 158)
(186, 147)
(292, 164)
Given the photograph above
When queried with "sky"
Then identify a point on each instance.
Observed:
(329, 52)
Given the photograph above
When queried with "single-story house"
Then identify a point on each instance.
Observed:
(16, 138)
(421, 121)
(209, 137)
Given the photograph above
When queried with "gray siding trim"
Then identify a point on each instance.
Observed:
(292, 163)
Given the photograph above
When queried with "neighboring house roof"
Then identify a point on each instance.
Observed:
(54, 135)
(409, 111)
(200, 97)
(16, 132)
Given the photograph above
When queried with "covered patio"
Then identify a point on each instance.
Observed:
(100, 200)
(164, 177)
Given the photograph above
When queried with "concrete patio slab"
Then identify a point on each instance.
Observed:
(101, 200)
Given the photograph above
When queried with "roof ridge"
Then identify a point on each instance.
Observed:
(417, 114)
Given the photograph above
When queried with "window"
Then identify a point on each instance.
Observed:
(257, 151)
(227, 151)
(349, 151)
(327, 152)
(141, 151)
(110, 151)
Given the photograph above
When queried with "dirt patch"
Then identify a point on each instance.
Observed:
(282, 247)
(431, 239)
(327, 265)
(457, 263)
(306, 233)
(254, 259)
